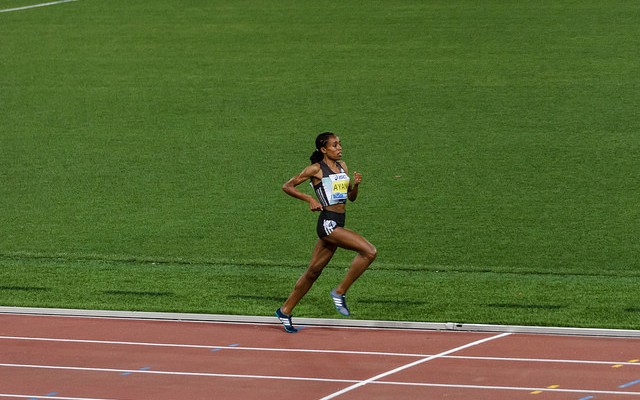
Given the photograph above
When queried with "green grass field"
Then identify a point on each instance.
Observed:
(143, 146)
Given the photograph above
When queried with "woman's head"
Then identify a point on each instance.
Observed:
(321, 142)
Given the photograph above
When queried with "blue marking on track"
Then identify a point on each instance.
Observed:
(220, 348)
(588, 398)
(626, 385)
(46, 395)
(131, 372)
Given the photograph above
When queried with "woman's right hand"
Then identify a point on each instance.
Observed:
(315, 205)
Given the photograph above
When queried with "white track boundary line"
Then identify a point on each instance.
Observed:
(413, 364)
(177, 373)
(324, 322)
(36, 6)
(31, 397)
(512, 388)
(317, 351)
(212, 346)
(307, 379)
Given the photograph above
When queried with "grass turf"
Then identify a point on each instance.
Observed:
(497, 142)
(466, 296)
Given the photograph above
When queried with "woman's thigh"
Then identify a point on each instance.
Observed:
(350, 240)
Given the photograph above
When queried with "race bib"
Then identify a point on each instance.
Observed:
(337, 187)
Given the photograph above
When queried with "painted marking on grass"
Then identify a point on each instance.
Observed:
(36, 5)
(413, 364)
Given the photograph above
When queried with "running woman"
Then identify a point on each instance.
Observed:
(330, 180)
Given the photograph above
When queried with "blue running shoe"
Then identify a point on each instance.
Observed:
(286, 321)
(340, 302)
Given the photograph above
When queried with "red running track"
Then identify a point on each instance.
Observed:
(55, 357)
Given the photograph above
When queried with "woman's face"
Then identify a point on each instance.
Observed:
(333, 148)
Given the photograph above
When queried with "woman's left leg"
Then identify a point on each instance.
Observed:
(367, 253)
(321, 256)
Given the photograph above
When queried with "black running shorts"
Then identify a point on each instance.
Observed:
(328, 221)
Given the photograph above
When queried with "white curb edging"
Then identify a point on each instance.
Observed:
(354, 323)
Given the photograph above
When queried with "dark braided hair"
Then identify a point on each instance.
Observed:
(321, 141)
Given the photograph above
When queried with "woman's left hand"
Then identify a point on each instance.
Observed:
(357, 178)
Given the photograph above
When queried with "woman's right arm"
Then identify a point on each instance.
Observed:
(290, 186)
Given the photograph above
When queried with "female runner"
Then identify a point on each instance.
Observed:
(330, 180)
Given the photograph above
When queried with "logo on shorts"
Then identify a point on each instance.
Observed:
(329, 226)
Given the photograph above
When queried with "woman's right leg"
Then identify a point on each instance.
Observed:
(322, 254)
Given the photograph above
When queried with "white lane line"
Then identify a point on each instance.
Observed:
(31, 397)
(543, 360)
(413, 364)
(211, 346)
(311, 379)
(511, 388)
(36, 5)
(317, 351)
(176, 373)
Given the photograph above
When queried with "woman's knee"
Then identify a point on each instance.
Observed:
(370, 253)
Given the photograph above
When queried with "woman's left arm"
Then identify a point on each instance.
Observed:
(352, 194)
